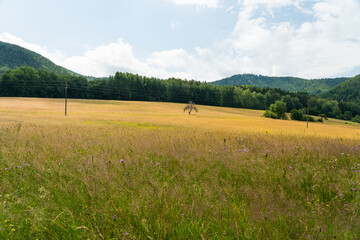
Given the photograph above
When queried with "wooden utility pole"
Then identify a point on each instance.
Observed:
(66, 86)
(307, 118)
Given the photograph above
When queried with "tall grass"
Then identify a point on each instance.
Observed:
(131, 181)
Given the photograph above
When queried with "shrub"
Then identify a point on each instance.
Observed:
(297, 115)
(270, 114)
(311, 119)
(356, 119)
(276, 110)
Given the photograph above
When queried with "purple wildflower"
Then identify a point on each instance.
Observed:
(115, 217)
(6, 168)
(346, 205)
(26, 164)
(352, 183)
(245, 150)
(122, 161)
(340, 194)
(297, 234)
(352, 189)
(290, 168)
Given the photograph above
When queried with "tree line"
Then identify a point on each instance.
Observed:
(29, 82)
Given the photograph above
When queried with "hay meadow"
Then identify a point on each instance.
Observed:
(143, 170)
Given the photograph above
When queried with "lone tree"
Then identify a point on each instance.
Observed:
(190, 106)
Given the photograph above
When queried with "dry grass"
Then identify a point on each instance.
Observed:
(136, 170)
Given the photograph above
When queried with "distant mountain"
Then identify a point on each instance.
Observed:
(13, 56)
(346, 91)
(292, 84)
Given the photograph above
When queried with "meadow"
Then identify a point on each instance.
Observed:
(143, 170)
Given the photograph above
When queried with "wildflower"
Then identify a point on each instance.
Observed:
(26, 164)
(308, 236)
(7, 220)
(122, 161)
(340, 194)
(13, 229)
(245, 150)
(115, 217)
(346, 205)
(352, 183)
(290, 168)
(352, 189)
(126, 233)
(297, 234)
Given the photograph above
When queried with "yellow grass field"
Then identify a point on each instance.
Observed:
(160, 115)
(147, 170)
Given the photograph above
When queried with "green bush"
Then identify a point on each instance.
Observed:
(297, 115)
(356, 119)
(276, 110)
(270, 114)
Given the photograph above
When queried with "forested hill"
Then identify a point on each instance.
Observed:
(346, 91)
(13, 56)
(292, 84)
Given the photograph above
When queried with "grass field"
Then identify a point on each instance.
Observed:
(143, 170)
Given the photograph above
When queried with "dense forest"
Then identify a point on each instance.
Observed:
(347, 91)
(13, 56)
(292, 84)
(29, 82)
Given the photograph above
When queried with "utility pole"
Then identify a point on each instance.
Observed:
(307, 118)
(66, 87)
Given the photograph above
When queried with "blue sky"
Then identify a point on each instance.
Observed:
(194, 39)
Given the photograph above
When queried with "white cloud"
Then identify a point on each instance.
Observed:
(105, 60)
(200, 3)
(327, 45)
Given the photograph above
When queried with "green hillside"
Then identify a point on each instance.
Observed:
(292, 84)
(13, 56)
(346, 91)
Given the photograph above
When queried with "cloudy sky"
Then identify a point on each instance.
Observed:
(194, 39)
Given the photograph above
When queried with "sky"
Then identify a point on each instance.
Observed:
(205, 40)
